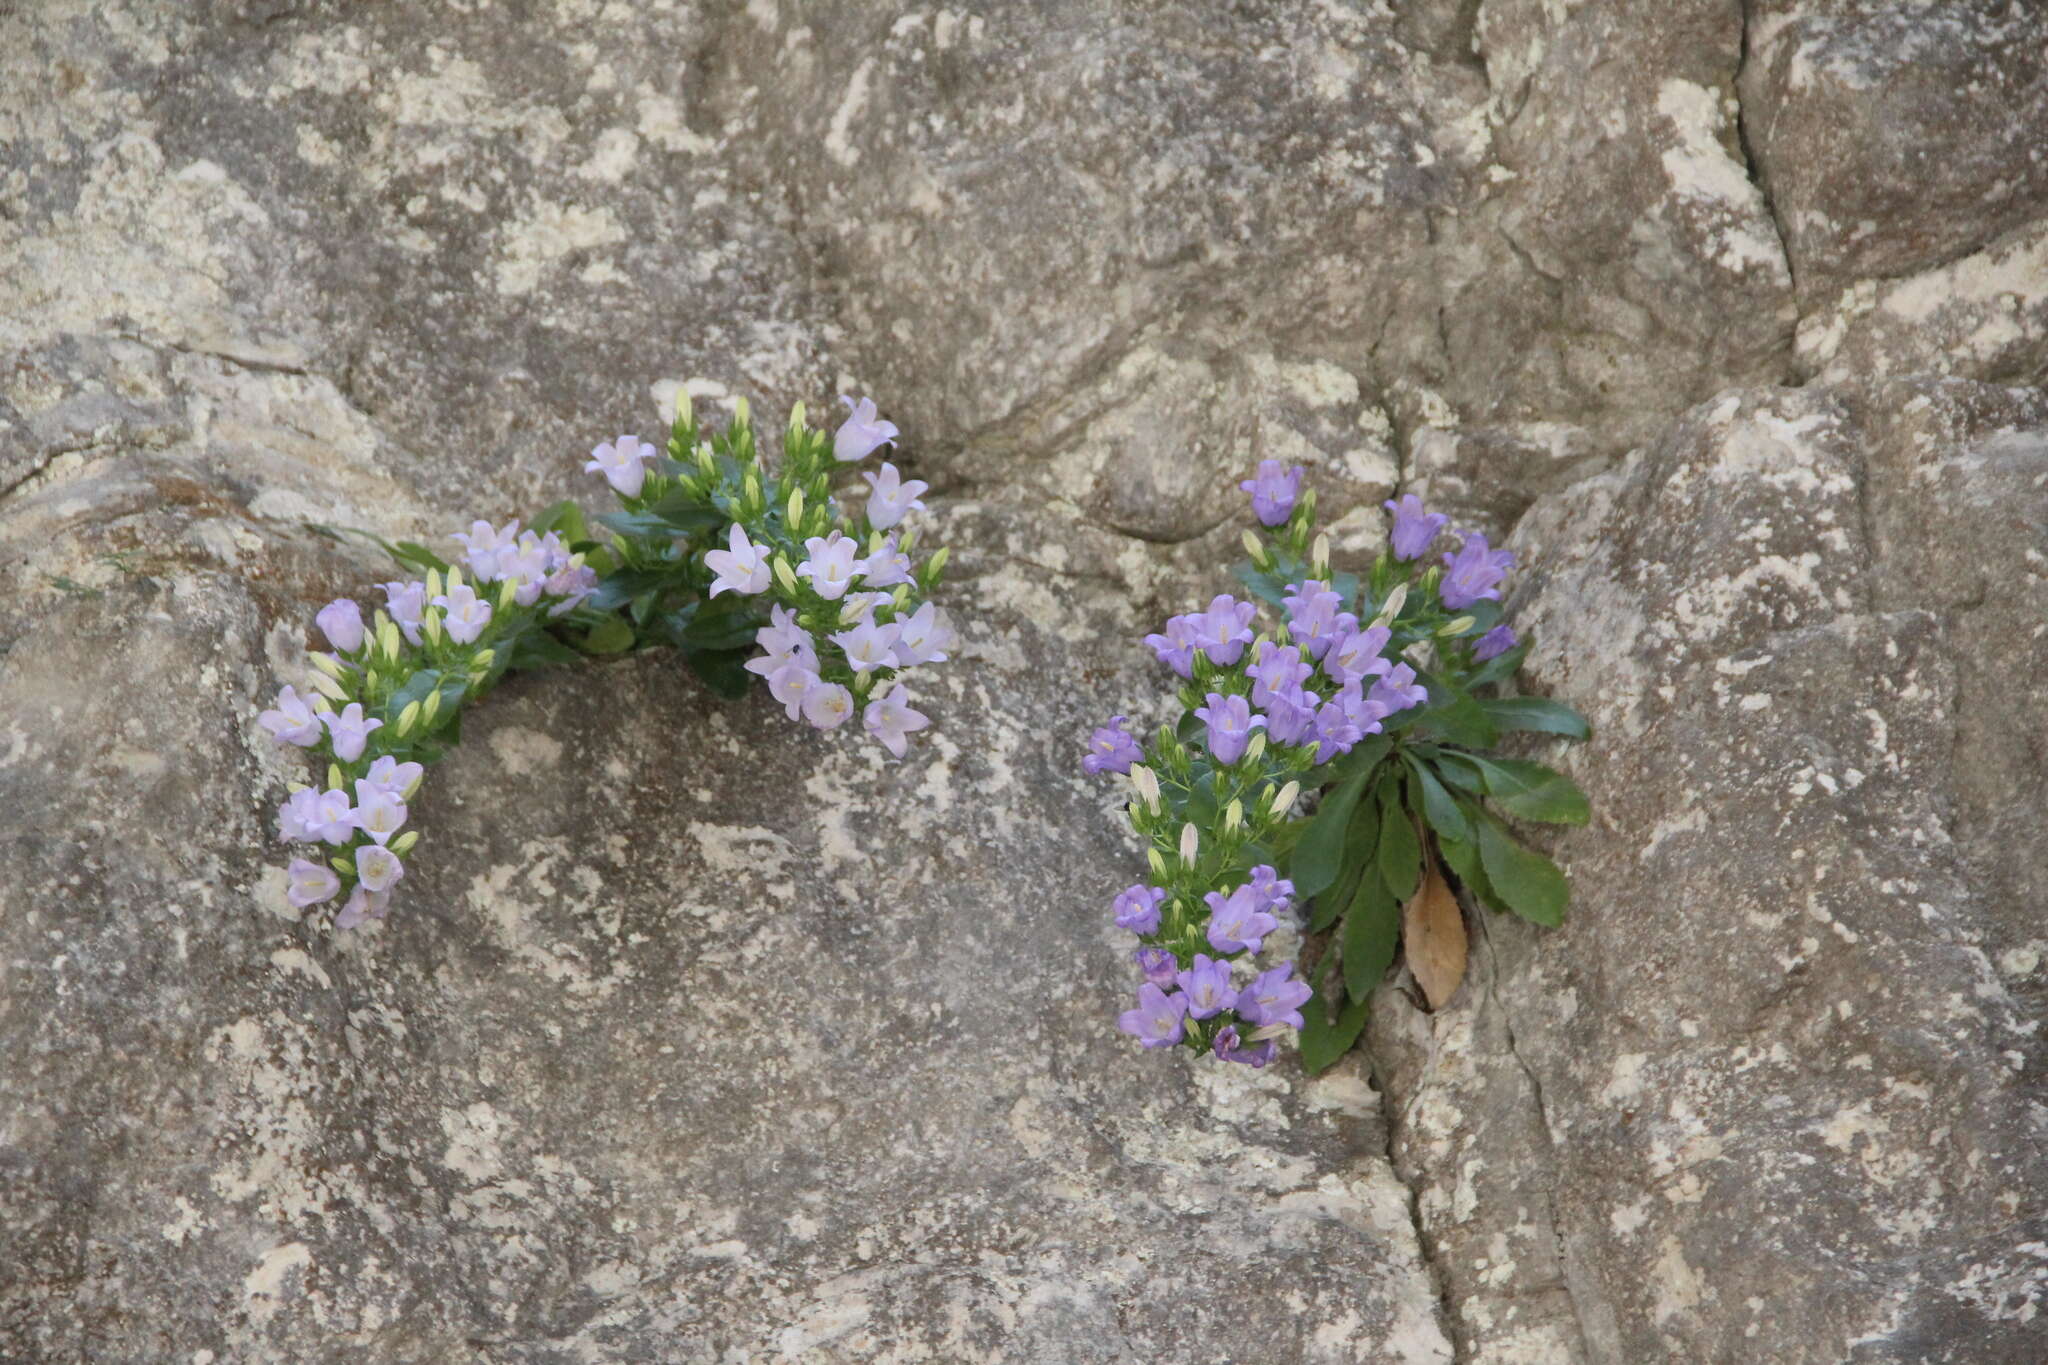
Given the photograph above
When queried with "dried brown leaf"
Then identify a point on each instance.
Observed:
(1433, 936)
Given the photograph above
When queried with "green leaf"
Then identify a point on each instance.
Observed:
(1359, 842)
(1320, 853)
(540, 649)
(617, 589)
(1499, 668)
(1539, 714)
(1372, 927)
(1460, 771)
(683, 513)
(1400, 854)
(1532, 791)
(724, 671)
(1438, 806)
(615, 636)
(1528, 882)
(565, 518)
(1324, 1040)
(1463, 858)
(638, 526)
(416, 689)
(1456, 716)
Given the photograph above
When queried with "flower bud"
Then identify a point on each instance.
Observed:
(402, 845)
(430, 625)
(321, 705)
(707, 464)
(1391, 608)
(796, 417)
(1284, 799)
(796, 508)
(750, 491)
(1233, 815)
(328, 664)
(506, 589)
(481, 664)
(1319, 557)
(334, 780)
(328, 687)
(454, 577)
(909, 541)
(742, 413)
(387, 637)
(936, 565)
(342, 865)
(432, 707)
(1256, 548)
(685, 413)
(408, 718)
(1147, 784)
(433, 584)
(785, 575)
(1158, 862)
(1190, 844)
(1256, 749)
(1457, 627)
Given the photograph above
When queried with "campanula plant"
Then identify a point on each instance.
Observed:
(1379, 692)
(744, 567)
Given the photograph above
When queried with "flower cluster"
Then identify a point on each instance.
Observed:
(1316, 680)
(706, 537)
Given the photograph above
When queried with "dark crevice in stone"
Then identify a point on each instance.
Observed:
(1753, 166)
(1425, 1245)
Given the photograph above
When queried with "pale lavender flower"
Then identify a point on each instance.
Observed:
(1159, 1019)
(623, 464)
(1207, 985)
(1157, 965)
(379, 813)
(862, 433)
(293, 720)
(1414, 528)
(741, 568)
(1276, 671)
(868, 646)
(330, 817)
(831, 566)
(405, 603)
(1398, 690)
(1357, 654)
(1274, 490)
(1274, 997)
(1230, 721)
(886, 567)
(572, 583)
(1474, 572)
(858, 608)
(783, 642)
(1137, 909)
(1271, 890)
(1111, 749)
(894, 497)
(1176, 648)
(467, 614)
(827, 704)
(298, 818)
(348, 732)
(1493, 644)
(1365, 712)
(790, 684)
(1336, 732)
(889, 719)
(486, 547)
(310, 883)
(362, 904)
(1291, 717)
(527, 566)
(1313, 617)
(1229, 1048)
(341, 621)
(1223, 630)
(1236, 923)
(388, 774)
(927, 637)
(377, 867)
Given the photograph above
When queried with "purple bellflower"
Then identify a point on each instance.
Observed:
(1158, 1021)
(623, 463)
(1229, 1048)
(1236, 923)
(1224, 629)
(890, 720)
(1414, 528)
(741, 568)
(1137, 909)
(1275, 997)
(341, 621)
(862, 433)
(293, 720)
(1474, 572)
(894, 497)
(1274, 490)
(1156, 965)
(1176, 647)
(1230, 722)
(1207, 985)
(1111, 749)
(1313, 618)
(1493, 644)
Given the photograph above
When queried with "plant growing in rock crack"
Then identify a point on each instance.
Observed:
(708, 535)
(1378, 692)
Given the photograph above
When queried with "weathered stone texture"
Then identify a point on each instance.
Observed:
(699, 1039)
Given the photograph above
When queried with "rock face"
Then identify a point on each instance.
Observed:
(697, 1038)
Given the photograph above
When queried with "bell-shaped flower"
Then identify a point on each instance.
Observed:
(378, 812)
(388, 774)
(405, 603)
(293, 720)
(1474, 572)
(1493, 644)
(1358, 654)
(1156, 965)
(623, 463)
(1313, 618)
(827, 705)
(348, 731)
(1230, 1048)
(1398, 690)
(1207, 985)
(1222, 631)
(309, 883)
(1274, 997)
(1159, 1020)
(862, 433)
(887, 566)
(485, 548)
(743, 568)
(831, 565)
(783, 642)
(331, 817)
(1231, 722)
(377, 867)
(1111, 749)
(362, 904)
(890, 720)
(572, 583)
(467, 614)
(868, 646)
(791, 684)
(1276, 671)
(1414, 528)
(926, 637)
(298, 819)
(893, 497)
(341, 621)
(1236, 923)
(1274, 489)
(1137, 908)
(1176, 646)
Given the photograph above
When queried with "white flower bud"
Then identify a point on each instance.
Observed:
(1152, 856)
(683, 409)
(1256, 548)
(328, 664)
(454, 579)
(742, 413)
(1457, 627)
(1255, 748)
(1147, 783)
(408, 718)
(387, 637)
(433, 585)
(328, 687)
(1397, 599)
(334, 779)
(1190, 844)
(785, 575)
(1319, 557)
(506, 589)
(1233, 815)
(432, 707)
(1284, 799)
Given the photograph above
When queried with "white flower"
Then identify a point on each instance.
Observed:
(741, 569)
(890, 720)
(623, 464)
